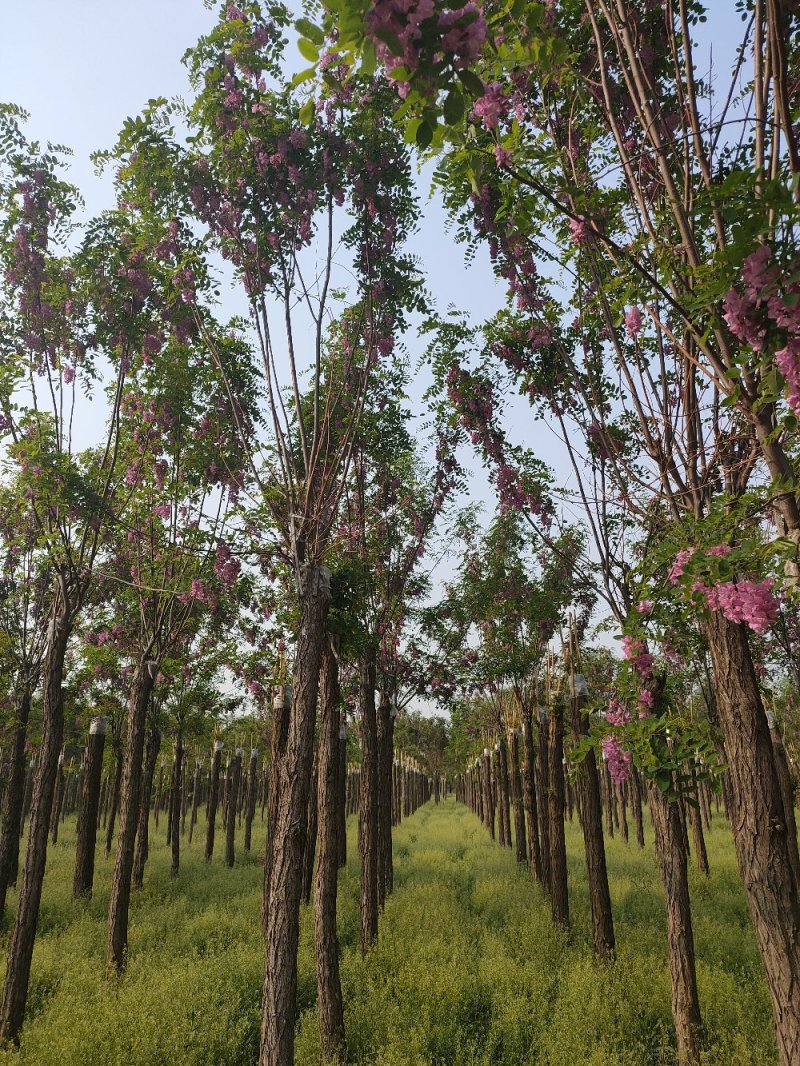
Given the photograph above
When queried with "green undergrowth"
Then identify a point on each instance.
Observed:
(468, 970)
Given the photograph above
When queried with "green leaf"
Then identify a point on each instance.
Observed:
(308, 29)
(424, 134)
(412, 129)
(308, 50)
(304, 75)
(471, 82)
(663, 780)
(400, 74)
(307, 112)
(453, 107)
(369, 58)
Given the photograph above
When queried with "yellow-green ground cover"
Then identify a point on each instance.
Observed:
(468, 969)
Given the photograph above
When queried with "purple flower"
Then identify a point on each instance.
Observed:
(633, 322)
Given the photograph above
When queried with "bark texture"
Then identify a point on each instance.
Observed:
(290, 781)
(330, 1011)
(119, 902)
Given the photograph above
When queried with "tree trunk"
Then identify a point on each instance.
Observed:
(593, 841)
(13, 800)
(787, 793)
(531, 806)
(87, 815)
(341, 811)
(559, 896)
(520, 841)
(176, 793)
(368, 806)
(252, 796)
(488, 791)
(58, 800)
(115, 790)
(696, 822)
(385, 739)
(311, 841)
(290, 782)
(543, 789)
(230, 828)
(213, 798)
(636, 805)
(23, 933)
(505, 789)
(119, 902)
(143, 830)
(330, 1011)
(758, 821)
(680, 939)
(198, 769)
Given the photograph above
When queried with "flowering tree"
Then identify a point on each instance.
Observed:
(73, 320)
(674, 232)
(265, 188)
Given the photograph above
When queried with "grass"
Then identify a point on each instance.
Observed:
(468, 970)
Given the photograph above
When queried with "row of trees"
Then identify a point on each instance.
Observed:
(641, 209)
(186, 498)
(256, 485)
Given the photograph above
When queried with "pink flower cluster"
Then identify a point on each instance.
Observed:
(461, 32)
(619, 760)
(633, 322)
(787, 361)
(767, 301)
(226, 566)
(679, 565)
(617, 714)
(491, 107)
(637, 655)
(751, 602)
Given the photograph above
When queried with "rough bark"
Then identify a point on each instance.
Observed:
(230, 828)
(636, 805)
(787, 794)
(115, 792)
(311, 841)
(671, 855)
(559, 896)
(213, 799)
(758, 822)
(198, 770)
(520, 840)
(23, 933)
(330, 1010)
(58, 800)
(119, 902)
(385, 745)
(368, 806)
(529, 793)
(152, 749)
(543, 790)
(13, 799)
(593, 841)
(87, 815)
(252, 796)
(342, 804)
(504, 785)
(696, 823)
(176, 791)
(290, 782)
